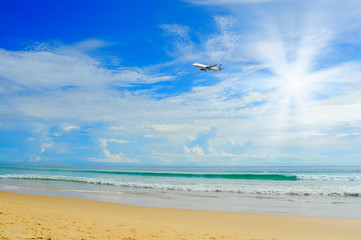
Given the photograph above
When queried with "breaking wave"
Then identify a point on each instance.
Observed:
(230, 188)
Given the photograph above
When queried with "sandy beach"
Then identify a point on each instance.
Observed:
(24, 216)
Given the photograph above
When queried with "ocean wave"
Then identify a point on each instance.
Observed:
(328, 178)
(244, 176)
(271, 175)
(57, 178)
(227, 188)
(247, 176)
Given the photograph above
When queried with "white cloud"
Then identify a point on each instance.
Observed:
(224, 45)
(197, 150)
(138, 76)
(46, 146)
(103, 142)
(91, 44)
(65, 68)
(118, 141)
(35, 159)
(179, 36)
(265, 157)
(70, 127)
(50, 69)
(171, 128)
(176, 30)
(114, 158)
(251, 101)
(201, 144)
(117, 128)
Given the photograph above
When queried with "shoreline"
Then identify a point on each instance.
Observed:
(220, 202)
(26, 216)
(319, 192)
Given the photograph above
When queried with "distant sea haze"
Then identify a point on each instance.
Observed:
(320, 191)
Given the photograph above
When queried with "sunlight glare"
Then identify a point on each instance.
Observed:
(295, 88)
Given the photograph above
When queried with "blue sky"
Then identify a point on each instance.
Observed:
(113, 82)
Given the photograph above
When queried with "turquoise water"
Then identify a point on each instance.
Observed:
(314, 191)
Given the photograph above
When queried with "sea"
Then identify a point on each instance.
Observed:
(301, 191)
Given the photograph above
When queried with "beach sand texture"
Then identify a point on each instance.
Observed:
(24, 216)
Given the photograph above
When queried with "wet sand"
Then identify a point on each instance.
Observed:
(24, 216)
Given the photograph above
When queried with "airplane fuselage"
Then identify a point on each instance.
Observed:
(203, 67)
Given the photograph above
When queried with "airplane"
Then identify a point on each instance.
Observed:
(203, 67)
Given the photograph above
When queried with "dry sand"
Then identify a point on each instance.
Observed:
(24, 216)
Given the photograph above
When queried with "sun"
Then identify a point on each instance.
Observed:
(296, 88)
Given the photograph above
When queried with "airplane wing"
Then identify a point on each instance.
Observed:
(212, 65)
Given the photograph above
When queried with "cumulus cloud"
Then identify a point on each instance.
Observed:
(200, 145)
(269, 55)
(104, 143)
(114, 158)
(171, 128)
(118, 141)
(235, 147)
(259, 157)
(70, 127)
(46, 146)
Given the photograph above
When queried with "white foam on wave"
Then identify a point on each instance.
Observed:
(6, 187)
(328, 178)
(234, 187)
